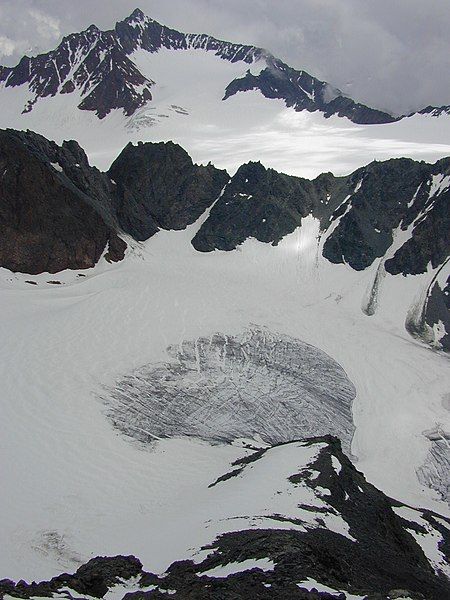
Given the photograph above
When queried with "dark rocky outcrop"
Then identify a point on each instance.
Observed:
(93, 579)
(359, 214)
(159, 186)
(437, 312)
(393, 195)
(431, 323)
(116, 83)
(382, 560)
(58, 212)
(383, 557)
(378, 202)
(54, 209)
(430, 215)
(266, 205)
(303, 92)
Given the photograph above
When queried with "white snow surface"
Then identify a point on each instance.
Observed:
(439, 184)
(74, 488)
(265, 564)
(311, 584)
(262, 493)
(57, 167)
(429, 541)
(336, 464)
(187, 108)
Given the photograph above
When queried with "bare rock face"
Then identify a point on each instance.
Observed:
(386, 199)
(93, 578)
(437, 313)
(54, 209)
(57, 212)
(266, 205)
(364, 213)
(159, 186)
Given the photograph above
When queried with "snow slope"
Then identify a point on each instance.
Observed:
(187, 108)
(75, 487)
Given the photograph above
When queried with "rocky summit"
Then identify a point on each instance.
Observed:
(159, 186)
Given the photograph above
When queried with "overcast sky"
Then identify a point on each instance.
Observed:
(391, 54)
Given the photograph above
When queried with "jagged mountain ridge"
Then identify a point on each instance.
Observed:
(58, 212)
(159, 187)
(393, 212)
(302, 523)
(156, 185)
(364, 210)
(99, 67)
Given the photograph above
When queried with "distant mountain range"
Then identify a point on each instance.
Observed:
(100, 69)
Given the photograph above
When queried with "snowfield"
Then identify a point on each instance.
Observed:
(74, 486)
(187, 108)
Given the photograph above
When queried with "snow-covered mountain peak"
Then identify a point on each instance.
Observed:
(138, 19)
(142, 80)
(78, 66)
(137, 16)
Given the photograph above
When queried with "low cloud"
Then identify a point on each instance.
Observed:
(47, 27)
(7, 46)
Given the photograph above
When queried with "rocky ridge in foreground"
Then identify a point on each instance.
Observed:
(324, 533)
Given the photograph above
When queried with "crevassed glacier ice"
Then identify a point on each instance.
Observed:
(225, 387)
